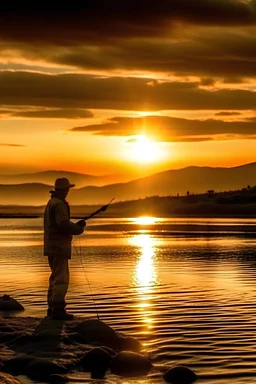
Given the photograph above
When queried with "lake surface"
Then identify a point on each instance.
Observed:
(186, 288)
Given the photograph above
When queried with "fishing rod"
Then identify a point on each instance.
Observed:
(102, 209)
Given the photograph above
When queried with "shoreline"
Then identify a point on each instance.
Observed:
(117, 216)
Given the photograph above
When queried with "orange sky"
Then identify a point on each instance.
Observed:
(136, 90)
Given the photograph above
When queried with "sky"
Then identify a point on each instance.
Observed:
(131, 87)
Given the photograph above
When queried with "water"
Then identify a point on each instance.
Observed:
(186, 288)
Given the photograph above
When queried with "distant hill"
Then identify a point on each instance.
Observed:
(173, 182)
(49, 177)
(238, 203)
(193, 179)
(24, 194)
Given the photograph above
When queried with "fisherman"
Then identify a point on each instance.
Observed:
(58, 233)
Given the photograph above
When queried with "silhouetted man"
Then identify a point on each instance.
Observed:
(58, 233)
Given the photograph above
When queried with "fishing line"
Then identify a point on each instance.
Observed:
(81, 261)
(79, 254)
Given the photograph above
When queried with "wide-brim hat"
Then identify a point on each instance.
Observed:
(62, 183)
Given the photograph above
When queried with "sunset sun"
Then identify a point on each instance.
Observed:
(143, 150)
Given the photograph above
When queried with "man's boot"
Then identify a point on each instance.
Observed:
(63, 315)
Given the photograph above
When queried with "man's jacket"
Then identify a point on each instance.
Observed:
(58, 229)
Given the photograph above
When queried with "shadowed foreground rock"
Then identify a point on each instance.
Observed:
(5, 378)
(55, 351)
(96, 361)
(42, 348)
(130, 344)
(42, 369)
(130, 364)
(49, 330)
(98, 332)
(179, 375)
(58, 379)
(7, 303)
(17, 364)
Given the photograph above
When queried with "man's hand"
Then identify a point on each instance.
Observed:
(82, 223)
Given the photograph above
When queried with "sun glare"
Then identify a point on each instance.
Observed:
(143, 150)
(145, 220)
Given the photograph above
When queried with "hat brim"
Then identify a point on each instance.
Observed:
(60, 189)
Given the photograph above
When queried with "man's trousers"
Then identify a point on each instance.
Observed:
(58, 284)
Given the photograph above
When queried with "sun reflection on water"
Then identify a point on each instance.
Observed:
(145, 277)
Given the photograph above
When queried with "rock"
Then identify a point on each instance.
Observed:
(7, 328)
(77, 338)
(49, 329)
(17, 364)
(96, 361)
(8, 379)
(7, 303)
(130, 364)
(15, 336)
(41, 369)
(68, 341)
(58, 379)
(110, 351)
(179, 375)
(50, 334)
(130, 344)
(7, 336)
(97, 331)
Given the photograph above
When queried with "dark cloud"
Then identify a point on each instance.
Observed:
(117, 93)
(251, 119)
(63, 113)
(4, 112)
(208, 82)
(11, 145)
(227, 113)
(233, 79)
(165, 128)
(98, 20)
(231, 56)
(189, 139)
(209, 53)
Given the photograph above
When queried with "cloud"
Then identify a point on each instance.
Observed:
(69, 91)
(207, 38)
(11, 145)
(189, 139)
(208, 53)
(171, 129)
(227, 113)
(228, 54)
(251, 119)
(98, 20)
(60, 113)
(4, 112)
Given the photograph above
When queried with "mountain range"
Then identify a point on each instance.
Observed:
(193, 179)
(48, 177)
